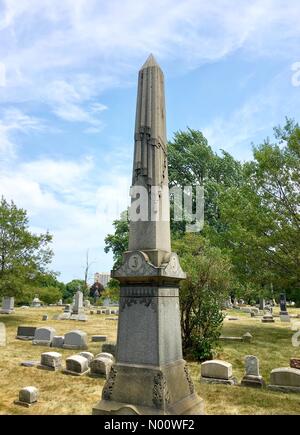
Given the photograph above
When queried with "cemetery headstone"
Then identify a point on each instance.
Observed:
(77, 365)
(51, 361)
(76, 340)
(217, 372)
(252, 377)
(28, 396)
(58, 341)
(97, 338)
(285, 379)
(78, 303)
(100, 366)
(284, 315)
(26, 332)
(268, 318)
(8, 304)
(30, 363)
(44, 336)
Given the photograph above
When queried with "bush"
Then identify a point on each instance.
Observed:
(202, 294)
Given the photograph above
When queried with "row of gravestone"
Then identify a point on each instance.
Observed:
(286, 379)
(46, 336)
(77, 365)
(8, 304)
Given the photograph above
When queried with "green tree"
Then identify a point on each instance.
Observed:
(72, 287)
(201, 295)
(262, 216)
(193, 162)
(23, 255)
(117, 242)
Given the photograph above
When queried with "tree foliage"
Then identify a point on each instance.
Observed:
(23, 255)
(262, 215)
(202, 293)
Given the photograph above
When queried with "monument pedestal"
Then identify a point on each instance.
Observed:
(150, 376)
(145, 390)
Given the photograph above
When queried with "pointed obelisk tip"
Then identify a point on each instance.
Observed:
(150, 62)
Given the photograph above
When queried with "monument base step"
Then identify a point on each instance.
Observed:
(284, 389)
(231, 381)
(192, 405)
(253, 381)
(70, 372)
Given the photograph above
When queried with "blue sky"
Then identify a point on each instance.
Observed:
(68, 75)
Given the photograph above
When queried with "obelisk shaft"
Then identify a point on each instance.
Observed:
(151, 234)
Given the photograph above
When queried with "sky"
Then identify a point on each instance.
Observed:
(68, 78)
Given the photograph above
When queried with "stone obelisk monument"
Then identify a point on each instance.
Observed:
(150, 376)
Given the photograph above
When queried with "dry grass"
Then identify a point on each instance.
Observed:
(62, 394)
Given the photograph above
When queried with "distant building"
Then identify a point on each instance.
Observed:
(102, 278)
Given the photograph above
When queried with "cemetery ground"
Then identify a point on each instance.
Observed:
(64, 394)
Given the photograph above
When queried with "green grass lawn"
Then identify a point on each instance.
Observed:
(62, 394)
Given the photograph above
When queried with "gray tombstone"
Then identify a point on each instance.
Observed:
(51, 361)
(44, 336)
(76, 340)
(28, 396)
(101, 366)
(78, 303)
(58, 341)
(77, 365)
(8, 304)
(252, 377)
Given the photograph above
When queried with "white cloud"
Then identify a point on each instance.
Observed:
(70, 101)
(64, 198)
(113, 38)
(2, 75)
(255, 118)
(12, 121)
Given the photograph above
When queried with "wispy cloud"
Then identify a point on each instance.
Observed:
(12, 121)
(255, 117)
